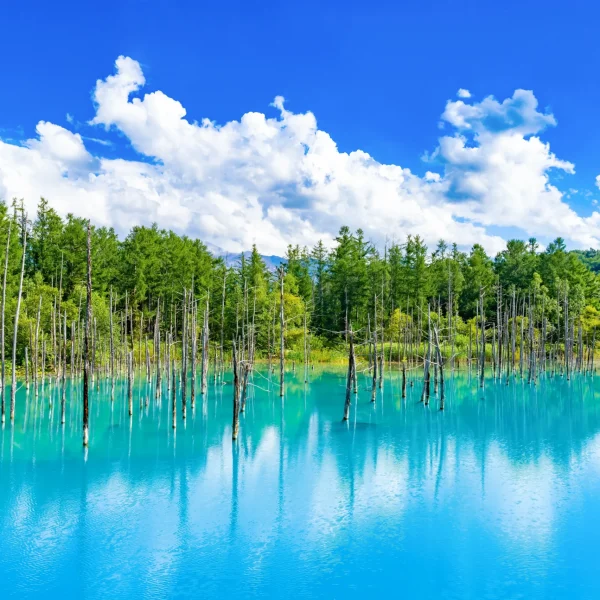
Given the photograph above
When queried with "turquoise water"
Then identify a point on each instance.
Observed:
(498, 496)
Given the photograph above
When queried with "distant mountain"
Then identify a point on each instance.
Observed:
(232, 259)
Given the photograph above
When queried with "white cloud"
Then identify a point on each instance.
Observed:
(462, 93)
(59, 145)
(280, 180)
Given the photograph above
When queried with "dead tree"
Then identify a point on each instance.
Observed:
(281, 338)
(36, 349)
(236, 395)
(244, 393)
(350, 375)
(194, 352)
(112, 349)
(158, 390)
(3, 328)
(205, 349)
(375, 358)
(173, 397)
(130, 382)
(86, 342)
(440, 362)
(63, 397)
(184, 361)
(13, 389)
(482, 365)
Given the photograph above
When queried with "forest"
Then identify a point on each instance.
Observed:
(139, 283)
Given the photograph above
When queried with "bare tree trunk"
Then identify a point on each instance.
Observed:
(130, 382)
(86, 342)
(72, 350)
(223, 324)
(54, 352)
(148, 377)
(246, 369)
(140, 359)
(440, 361)
(173, 397)
(194, 351)
(270, 347)
(470, 349)
(205, 348)
(37, 349)
(236, 395)
(427, 367)
(305, 351)
(522, 343)
(27, 368)
(382, 357)
(494, 351)
(375, 358)
(158, 390)
(63, 398)
(13, 389)
(94, 345)
(281, 344)
(58, 313)
(593, 351)
(3, 328)
(350, 376)
(184, 349)
(112, 349)
(43, 363)
(482, 374)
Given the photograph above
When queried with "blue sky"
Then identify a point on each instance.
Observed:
(377, 77)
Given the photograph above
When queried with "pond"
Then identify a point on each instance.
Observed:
(497, 496)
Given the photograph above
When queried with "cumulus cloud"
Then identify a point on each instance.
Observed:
(279, 180)
(462, 93)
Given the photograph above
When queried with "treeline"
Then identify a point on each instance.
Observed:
(325, 290)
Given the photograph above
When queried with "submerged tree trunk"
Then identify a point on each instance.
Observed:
(130, 382)
(194, 328)
(27, 368)
(222, 365)
(246, 369)
(3, 328)
(427, 368)
(36, 349)
(112, 349)
(173, 396)
(158, 390)
(184, 349)
(281, 340)
(236, 395)
(63, 398)
(375, 361)
(440, 362)
(350, 375)
(86, 342)
(43, 363)
(482, 366)
(13, 389)
(205, 348)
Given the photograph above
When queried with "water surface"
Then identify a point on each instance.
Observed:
(497, 496)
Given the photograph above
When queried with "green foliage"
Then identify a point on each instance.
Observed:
(328, 288)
